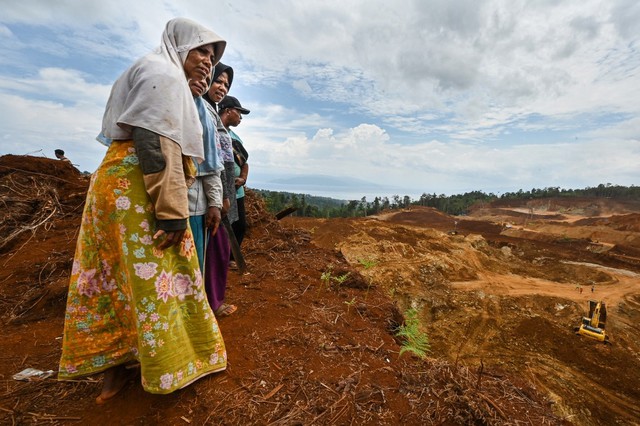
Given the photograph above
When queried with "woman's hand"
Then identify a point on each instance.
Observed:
(172, 238)
(226, 205)
(213, 219)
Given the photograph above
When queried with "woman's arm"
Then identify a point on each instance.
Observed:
(163, 174)
(213, 189)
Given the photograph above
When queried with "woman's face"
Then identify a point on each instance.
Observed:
(198, 67)
(199, 87)
(219, 88)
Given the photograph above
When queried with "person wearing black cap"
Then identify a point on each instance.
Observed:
(231, 112)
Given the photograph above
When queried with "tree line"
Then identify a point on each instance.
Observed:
(313, 206)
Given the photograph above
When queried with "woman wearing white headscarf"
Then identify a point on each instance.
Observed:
(136, 293)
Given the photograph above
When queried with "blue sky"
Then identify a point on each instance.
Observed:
(435, 96)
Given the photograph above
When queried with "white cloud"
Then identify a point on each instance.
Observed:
(62, 84)
(40, 127)
(5, 32)
(58, 109)
(625, 15)
(502, 93)
(367, 151)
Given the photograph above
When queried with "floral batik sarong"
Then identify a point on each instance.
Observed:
(129, 301)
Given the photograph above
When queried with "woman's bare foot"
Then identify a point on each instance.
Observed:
(114, 380)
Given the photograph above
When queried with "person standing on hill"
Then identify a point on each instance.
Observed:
(231, 115)
(136, 293)
(218, 250)
(206, 193)
(60, 156)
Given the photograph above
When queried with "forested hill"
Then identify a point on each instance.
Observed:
(459, 204)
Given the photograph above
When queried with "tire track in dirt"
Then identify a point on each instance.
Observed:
(623, 284)
(545, 371)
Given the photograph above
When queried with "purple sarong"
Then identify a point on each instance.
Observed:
(217, 267)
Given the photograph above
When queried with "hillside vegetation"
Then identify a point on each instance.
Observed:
(460, 204)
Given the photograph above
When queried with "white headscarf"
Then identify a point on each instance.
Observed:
(154, 94)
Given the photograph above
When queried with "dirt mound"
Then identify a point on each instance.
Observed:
(583, 206)
(509, 298)
(42, 201)
(312, 341)
(34, 190)
(627, 222)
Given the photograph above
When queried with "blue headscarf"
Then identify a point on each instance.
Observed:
(212, 161)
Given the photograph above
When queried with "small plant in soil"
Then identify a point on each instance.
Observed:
(350, 303)
(367, 263)
(341, 278)
(415, 340)
(326, 277)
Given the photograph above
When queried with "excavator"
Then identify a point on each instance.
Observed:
(593, 325)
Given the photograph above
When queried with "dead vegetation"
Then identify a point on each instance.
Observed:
(303, 350)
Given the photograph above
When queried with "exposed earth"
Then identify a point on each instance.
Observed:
(314, 341)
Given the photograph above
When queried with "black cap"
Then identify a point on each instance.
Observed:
(231, 102)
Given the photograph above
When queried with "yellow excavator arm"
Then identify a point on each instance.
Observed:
(595, 318)
(593, 325)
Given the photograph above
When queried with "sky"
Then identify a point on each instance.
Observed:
(357, 98)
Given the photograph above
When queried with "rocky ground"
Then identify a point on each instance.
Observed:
(313, 340)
